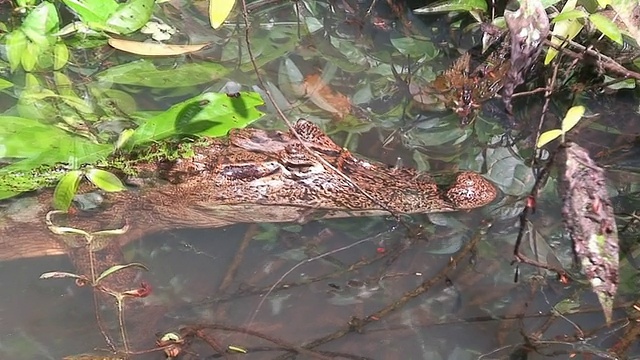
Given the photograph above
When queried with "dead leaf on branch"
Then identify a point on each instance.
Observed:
(588, 214)
(528, 27)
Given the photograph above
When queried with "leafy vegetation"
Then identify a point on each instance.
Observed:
(135, 76)
(59, 125)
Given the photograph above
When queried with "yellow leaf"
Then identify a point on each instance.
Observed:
(565, 28)
(571, 119)
(153, 49)
(236, 349)
(548, 136)
(219, 11)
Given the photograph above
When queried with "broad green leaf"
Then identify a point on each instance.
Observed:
(16, 44)
(60, 55)
(607, 27)
(215, 116)
(571, 119)
(24, 138)
(41, 21)
(130, 16)
(453, 5)
(30, 56)
(5, 84)
(39, 144)
(145, 73)
(92, 11)
(105, 180)
(570, 15)
(219, 11)
(66, 189)
(116, 268)
(548, 136)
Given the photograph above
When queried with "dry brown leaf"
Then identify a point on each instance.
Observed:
(153, 49)
(326, 98)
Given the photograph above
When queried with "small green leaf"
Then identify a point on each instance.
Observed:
(66, 189)
(125, 135)
(16, 44)
(40, 21)
(571, 119)
(30, 56)
(105, 180)
(60, 55)
(5, 84)
(607, 27)
(566, 29)
(117, 268)
(548, 136)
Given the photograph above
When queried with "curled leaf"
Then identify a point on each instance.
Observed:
(116, 268)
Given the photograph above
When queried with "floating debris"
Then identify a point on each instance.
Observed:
(588, 214)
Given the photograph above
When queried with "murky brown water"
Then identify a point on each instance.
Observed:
(452, 301)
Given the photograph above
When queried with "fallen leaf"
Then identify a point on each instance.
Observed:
(153, 49)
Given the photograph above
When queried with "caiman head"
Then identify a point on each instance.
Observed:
(253, 176)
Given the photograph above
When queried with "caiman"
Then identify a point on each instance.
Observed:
(251, 176)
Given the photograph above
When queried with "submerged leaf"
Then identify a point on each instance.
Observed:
(153, 49)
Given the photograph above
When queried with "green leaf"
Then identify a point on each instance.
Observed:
(548, 136)
(219, 112)
(41, 21)
(453, 5)
(568, 29)
(571, 118)
(16, 44)
(570, 15)
(30, 56)
(66, 189)
(116, 268)
(60, 55)
(5, 84)
(144, 73)
(130, 16)
(92, 11)
(105, 180)
(607, 27)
